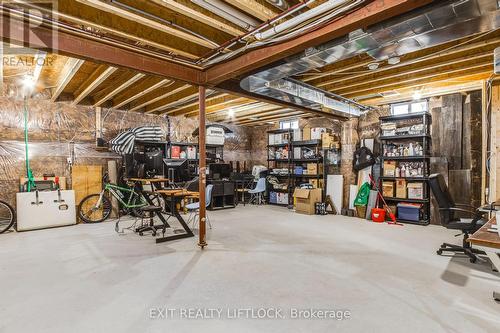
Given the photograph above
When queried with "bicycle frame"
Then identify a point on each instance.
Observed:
(117, 192)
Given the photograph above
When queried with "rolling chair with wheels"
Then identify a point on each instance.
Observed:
(257, 193)
(448, 212)
(148, 213)
(194, 208)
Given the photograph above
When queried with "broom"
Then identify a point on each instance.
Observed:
(384, 204)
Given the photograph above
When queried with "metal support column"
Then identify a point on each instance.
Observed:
(202, 168)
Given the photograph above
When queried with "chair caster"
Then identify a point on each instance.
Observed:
(439, 252)
(473, 260)
(141, 233)
(496, 296)
(154, 234)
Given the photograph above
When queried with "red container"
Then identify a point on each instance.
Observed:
(378, 215)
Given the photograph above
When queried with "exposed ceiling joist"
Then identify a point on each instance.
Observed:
(196, 15)
(119, 88)
(164, 28)
(169, 92)
(98, 77)
(216, 100)
(372, 12)
(254, 8)
(119, 103)
(418, 81)
(68, 72)
(285, 115)
(172, 102)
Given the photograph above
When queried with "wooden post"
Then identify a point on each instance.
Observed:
(202, 167)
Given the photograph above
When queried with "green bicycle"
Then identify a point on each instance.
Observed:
(97, 207)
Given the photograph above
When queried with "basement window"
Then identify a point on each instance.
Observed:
(409, 107)
(289, 124)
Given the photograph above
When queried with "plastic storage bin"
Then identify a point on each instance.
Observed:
(409, 211)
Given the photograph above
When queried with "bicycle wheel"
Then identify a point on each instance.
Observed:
(7, 217)
(89, 210)
(137, 211)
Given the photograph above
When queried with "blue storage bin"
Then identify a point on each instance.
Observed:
(273, 197)
(409, 212)
(299, 170)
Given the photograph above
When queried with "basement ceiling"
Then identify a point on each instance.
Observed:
(186, 32)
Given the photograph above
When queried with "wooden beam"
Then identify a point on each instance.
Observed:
(250, 115)
(213, 101)
(15, 30)
(341, 85)
(202, 169)
(93, 82)
(131, 97)
(164, 28)
(238, 103)
(434, 77)
(69, 70)
(163, 94)
(261, 120)
(172, 101)
(121, 87)
(371, 13)
(254, 8)
(116, 32)
(247, 111)
(198, 16)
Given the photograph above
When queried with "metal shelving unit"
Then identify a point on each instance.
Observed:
(423, 138)
(281, 163)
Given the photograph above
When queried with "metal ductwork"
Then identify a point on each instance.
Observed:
(431, 25)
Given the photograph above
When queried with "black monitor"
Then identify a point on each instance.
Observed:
(153, 163)
(176, 169)
(220, 170)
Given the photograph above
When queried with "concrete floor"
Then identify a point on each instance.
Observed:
(86, 278)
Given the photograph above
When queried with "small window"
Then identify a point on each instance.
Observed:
(409, 107)
(289, 124)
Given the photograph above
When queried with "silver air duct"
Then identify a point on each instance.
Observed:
(432, 25)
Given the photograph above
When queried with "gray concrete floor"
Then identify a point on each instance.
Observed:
(86, 278)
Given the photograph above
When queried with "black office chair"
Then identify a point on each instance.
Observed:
(449, 212)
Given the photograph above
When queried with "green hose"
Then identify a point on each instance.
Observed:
(29, 173)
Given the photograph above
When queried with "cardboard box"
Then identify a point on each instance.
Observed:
(327, 140)
(297, 152)
(305, 200)
(389, 168)
(306, 133)
(400, 188)
(388, 189)
(415, 191)
(312, 169)
(297, 135)
(315, 183)
(316, 132)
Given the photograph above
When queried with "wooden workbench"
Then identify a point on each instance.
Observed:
(488, 242)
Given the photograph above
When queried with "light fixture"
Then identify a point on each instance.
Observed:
(393, 60)
(230, 113)
(417, 94)
(373, 66)
(28, 82)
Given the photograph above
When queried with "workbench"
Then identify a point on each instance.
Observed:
(488, 242)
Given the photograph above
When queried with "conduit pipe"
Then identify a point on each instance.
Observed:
(229, 13)
(293, 22)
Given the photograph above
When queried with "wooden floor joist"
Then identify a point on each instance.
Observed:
(98, 77)
(68, 72)
(118, 89)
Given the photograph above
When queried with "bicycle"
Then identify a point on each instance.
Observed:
(97, 207)
(7, 217)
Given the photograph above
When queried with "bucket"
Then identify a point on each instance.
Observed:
(378, 215)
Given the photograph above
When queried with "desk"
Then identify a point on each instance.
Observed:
(172, 198)
(488, 242)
